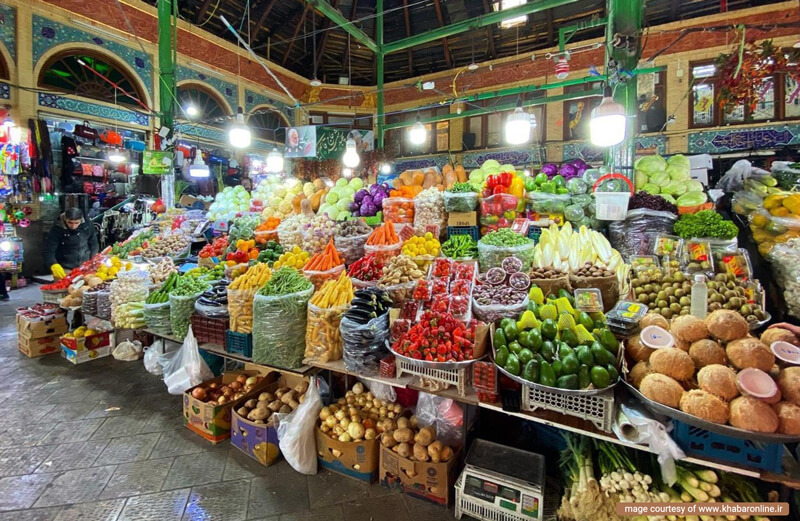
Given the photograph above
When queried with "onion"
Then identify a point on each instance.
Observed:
(199, 393)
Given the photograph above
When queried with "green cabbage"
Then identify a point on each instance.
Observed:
(650, 188)
(639, 179)
(650, 164)
(659, 178)
(678, 174)
(668, 198)
(693, 185)
(674, 188)
(680, 161)
(691, 199)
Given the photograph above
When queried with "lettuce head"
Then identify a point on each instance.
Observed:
(680, 161)
(693, 185)
(677, 173)
(668, 198)
(650, 188)
(639, 179)
(691, 199)
(650, 164)
(674, 188)
(659, 178)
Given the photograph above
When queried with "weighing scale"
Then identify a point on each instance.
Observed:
(501, 483)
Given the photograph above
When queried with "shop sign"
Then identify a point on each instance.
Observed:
(157, 162)
(301, 141)
(331, 142)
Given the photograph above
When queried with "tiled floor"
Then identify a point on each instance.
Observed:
(67, 453)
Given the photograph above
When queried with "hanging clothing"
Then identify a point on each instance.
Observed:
(69, 151)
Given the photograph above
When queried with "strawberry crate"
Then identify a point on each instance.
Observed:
(209, 330)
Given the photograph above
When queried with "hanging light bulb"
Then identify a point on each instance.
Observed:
(239, 134)
(115, 155)
(15, 134)
(386, 168)
(347, 172)
(199, 168)
(418, 133)
(191, 110)
(350, 157)
(518, 125)
(607, 126)
(274, 161)
(315, 82)
(7, 124)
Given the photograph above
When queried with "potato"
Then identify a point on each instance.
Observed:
(243, 412)
(251, 404)
(258, 414)
(420, 452)
(403, 435)
(403, 423)
(331, 422)
(435, 451)
(425, 436)
(389, 425)
(275, 405)
(285, 409)
(301, 388)
(294, 404)
(447, 454)
(370, 434)
(288, 397)
(404, 449)
(387, 440)
(414, 422)
(279, 393)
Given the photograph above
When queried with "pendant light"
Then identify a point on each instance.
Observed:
(562, 67)
(274, 161)
(314, 80)
(199, 168)
(350, 158)
(607, 126)
(115, 155)
(239, 134)
(518, 125)
(418, 133)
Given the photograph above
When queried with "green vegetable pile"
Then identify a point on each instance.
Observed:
(460, 247)
(161, 295)
(705, 224)
(284, 281)
(461, 188)
(495, 246)
(271, 253)
(505, 237)
(188, 286)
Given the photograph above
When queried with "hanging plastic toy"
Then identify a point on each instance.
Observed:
(24, 223)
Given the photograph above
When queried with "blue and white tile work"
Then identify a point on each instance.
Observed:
(504, 157)
(8, 29)
(48, 34)
(650, 144)
(226, 89)
(255, 99)
(736, 139)
(421, 163)
(5, 90)
(94, 110)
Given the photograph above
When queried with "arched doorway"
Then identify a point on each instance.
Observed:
(268, 124)
(209, 107)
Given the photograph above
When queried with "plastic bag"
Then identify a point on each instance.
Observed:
(364, 345)
(786, 260)
(637, 234)
(180, 313)
(547, 203)
(151, 358)
(296, 432)
(351, 248)
(461, 202)
(323, 338)
(380, 390)
(444, 414)
(127, 351)
(318, 278)
(493, 312)
(184, 368)
(429, 211)
(398, 210)
(383, 253)
(278, 338)
(400, 293)
(156, 316)
(492, 256)
(240, 309)
(290, 231)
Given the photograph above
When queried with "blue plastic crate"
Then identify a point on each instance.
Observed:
(740, 452)
(534, 232)
(239, 343)
(472, 231)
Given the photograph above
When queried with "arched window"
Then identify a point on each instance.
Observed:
(208, 106)
(3, 69)
(72, 72)
(268, 125)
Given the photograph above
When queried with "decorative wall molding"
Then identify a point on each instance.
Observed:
(95, 110)
(227, 90)
(5, 90)
(8, 30)
(504, 157)
(219, 136)
(587, 152)
(420, 163)
(254, 99)
(737, 139)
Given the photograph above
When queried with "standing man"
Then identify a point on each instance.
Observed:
(71, 242)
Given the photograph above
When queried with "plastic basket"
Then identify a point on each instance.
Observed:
(738, 452)
(596, 408)
(53, 296)
(209, 330)
(472, 231)
(239, 343)
(534, 232)
(611, 206)
(436, 379)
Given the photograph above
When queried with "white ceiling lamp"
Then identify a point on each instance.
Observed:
(191, 110)
(314, 80)
(350, 158)
(418, 133)
(472, 66)
(239, 134)
(199, 168)
(518, 125)
(607, 126)
(504, 5)
(386, 168)
(115, 155)
(274, 161)
(347, 172)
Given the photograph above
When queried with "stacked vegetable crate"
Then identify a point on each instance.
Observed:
(210, 330)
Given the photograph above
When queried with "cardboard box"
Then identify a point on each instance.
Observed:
(462, 219)
(260, 442)
(33, 347)
(358, 460)
(213, 422)
(41, 328)
(89, 342)
(188, 201)
(423, 480)
(87, 355)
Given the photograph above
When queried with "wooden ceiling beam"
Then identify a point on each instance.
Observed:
(326, 30)
(262, 17)
(201, 13)
(409, 52)
(489, 33)
(294, 34)
(438, 7)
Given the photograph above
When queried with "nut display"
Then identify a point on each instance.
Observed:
(399, 270)
(162, 270)
(727, 292)
(260, 410)
(591, 270)
(666, 294)
(545, 273)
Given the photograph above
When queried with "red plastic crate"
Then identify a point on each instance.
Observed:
(210, 330)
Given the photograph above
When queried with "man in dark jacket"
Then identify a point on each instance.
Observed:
(71, 242)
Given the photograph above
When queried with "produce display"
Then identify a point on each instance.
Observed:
(437, 337)
(737, 382)
(429, 213)
(461, 197)
(398, 277)
(228, 203)
(290, 231)
(325, 311)
(339, 199)
(133, 246)
(216, 393)
(267, 230)
(460, 247)
(283, 400)
(422, 246)
(271, 253)
(170, 245)
(705, 224)
(317, 233)
(161, 271)
(215, 249)
(365, 329)
(495, 246)
(294, 258)
(161, 295)
(358, 416)
(181, 303)
(350, 239)
(410, 440)
(670, 178)
(368, 202)
(213, 303)
(500, 293)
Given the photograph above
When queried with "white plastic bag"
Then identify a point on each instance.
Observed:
(151, 359)
(444, 414)
(296, 437)
(127, 351)
(381, 391)
(185, 368)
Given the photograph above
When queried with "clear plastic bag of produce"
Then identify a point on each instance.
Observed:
(157, 318)
(89, 303)
(296, 437)
(361, 284)
(204, 310)
(184, 253)
(290, 231)
(318, 278)
(104, 304)
(276, 341)
(240, 309)
(722, 245)
(364, 345)
(547, 203)
(398, 210)
(443, 414)
(461, 202)
(351, 248)
(490, 256)
(786, 260)
(494, 312)
(637, 234)
(499, 211)
(317, 234)
(383, 253)
(323, 337)
(180, 313)
(184, 368)
(429, 210)
(400, 293)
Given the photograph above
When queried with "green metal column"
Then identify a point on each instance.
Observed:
(625, 17)
(379, 56)
(166, 87)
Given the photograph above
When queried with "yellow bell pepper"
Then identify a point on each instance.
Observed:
(792, 203)
(517, 187)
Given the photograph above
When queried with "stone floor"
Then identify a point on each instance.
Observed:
(104, 441)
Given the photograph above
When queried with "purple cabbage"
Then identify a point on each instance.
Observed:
(360, 195)
(374, 189)
(378, 199)
(549, 169)
(369, 199)
(353, 207)
(568, 171)
(368, 210)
